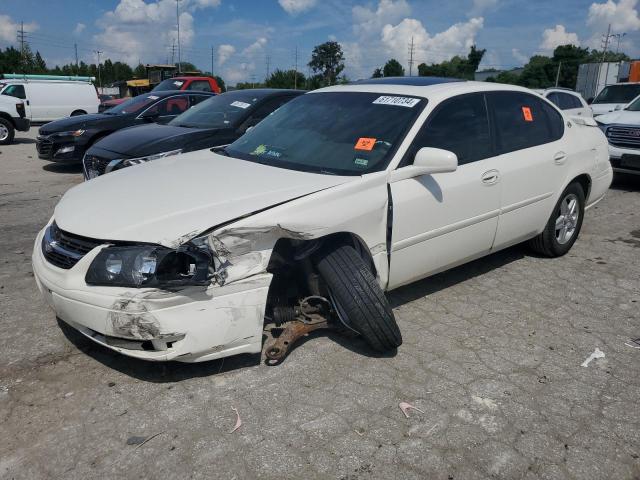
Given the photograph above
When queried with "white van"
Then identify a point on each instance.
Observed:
(46, 100)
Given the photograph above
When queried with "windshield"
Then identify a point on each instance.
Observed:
(343, 133)
(226, 110)
(134, 105)
(169, 84)
(635, 105)
(618, 94)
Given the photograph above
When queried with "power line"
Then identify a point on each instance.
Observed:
(22, 39)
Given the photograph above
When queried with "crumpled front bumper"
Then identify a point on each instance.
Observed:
(191, 325)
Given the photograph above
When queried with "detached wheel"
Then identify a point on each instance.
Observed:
(357, 298)
(7, 132)
(564, 225)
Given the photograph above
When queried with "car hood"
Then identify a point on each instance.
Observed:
(603, 108)
(171, 200)
(620, 117)
(153, 138)
(76, 123)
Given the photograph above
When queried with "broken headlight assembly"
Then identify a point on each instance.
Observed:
(141, 266)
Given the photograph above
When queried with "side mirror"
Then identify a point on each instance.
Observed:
(427, 161)
(590, 100)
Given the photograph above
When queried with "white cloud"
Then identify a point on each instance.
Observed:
(224, 52)
(519, 56)
(367, 22)
(255, 48)
(79, 28)
(623, 16)
(480, 6)
(554, 37)
(9, 29)
(293, 7)
(456, 40)
(136, 30)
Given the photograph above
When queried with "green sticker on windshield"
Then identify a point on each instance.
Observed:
(361, 162)
(260, 150)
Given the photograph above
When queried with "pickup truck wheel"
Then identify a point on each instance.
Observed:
(564, 225)
(358, 299)
(7, 132)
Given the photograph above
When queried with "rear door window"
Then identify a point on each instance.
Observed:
(460, 125)
(523, 120)
(199, 86)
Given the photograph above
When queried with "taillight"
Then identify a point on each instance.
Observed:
(20, 109)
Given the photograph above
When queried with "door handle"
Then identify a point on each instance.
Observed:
(560, 158)
(491, 177)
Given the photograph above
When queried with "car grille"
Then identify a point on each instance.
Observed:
(94, 166)
(64, 249)
(627, 137)
(44, 145)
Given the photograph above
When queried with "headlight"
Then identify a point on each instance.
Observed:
(137, 161)
(140, 266)
(71, 133)
(602, 127)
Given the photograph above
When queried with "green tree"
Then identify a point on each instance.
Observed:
(39, 64)
(393, 69)
(140, 71)
(505, 77)
(377, 73)
(538, 73)
(327, 60)
(457, 67)
(221, 84)
(568, 59)
(187, 67)
(286, 79)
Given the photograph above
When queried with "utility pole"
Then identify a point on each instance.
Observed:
(178, 23)
(98, 53)
(268, 62)
(211, 60)
(173, 53)
(22, 39)
(411, 52)
(604, 55)
(619, 36)
(295, 70)
(75, 46)
(558, 74)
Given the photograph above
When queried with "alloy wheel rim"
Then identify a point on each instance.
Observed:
(567, 220)
(4, 133)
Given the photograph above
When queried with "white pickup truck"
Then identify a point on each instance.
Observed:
(12, 118)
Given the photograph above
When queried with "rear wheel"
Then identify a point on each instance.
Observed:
(7, 132)
(358, 299)
(564, 225)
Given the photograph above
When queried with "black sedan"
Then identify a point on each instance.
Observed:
(215, 122)
(66, 140)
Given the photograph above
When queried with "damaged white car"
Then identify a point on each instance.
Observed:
(305, 221)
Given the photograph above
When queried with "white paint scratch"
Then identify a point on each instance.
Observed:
(405, 407)
(238, 420)
(597, 353)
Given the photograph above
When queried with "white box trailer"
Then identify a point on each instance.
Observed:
(48, 97)
(593, 77)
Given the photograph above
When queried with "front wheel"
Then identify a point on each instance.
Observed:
(358, 299)
(7, 132)
(564, 225)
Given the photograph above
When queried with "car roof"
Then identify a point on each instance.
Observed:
(414, 81)
(265, 92)
(168, 93)
(435, 90)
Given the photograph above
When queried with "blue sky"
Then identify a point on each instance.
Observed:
(245, 33)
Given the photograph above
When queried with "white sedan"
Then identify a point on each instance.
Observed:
(338, 196)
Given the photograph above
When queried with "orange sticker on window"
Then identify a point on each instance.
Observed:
(364, 143)
(526, 112)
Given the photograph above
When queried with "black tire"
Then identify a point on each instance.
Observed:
(75, 113)
(11, 131)
(547, 243)
(358, 297)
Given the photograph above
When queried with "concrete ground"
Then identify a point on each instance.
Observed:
(492, 357)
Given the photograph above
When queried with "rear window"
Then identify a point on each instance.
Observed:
(524, 121)
(169, 84)
(135, 105)
(618, 94)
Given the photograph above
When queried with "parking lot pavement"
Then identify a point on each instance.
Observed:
(492, 357)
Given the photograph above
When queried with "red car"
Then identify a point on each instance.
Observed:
(198, 84)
